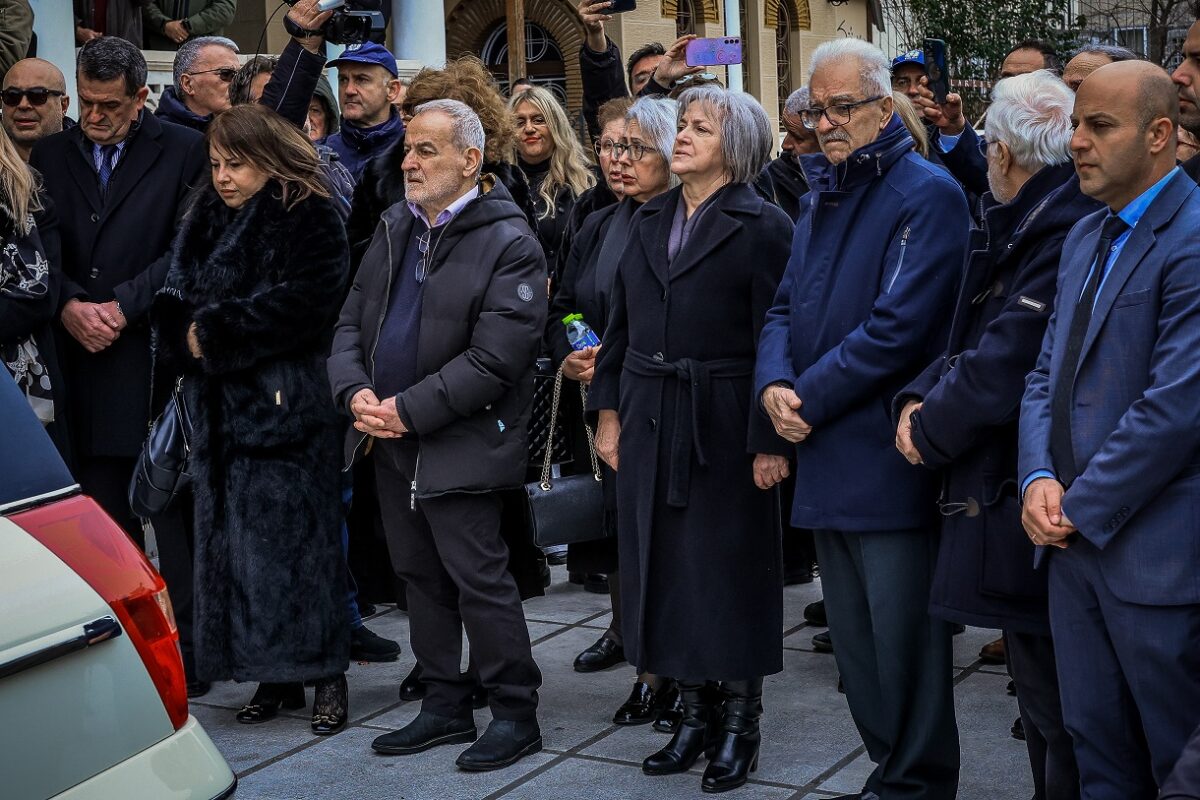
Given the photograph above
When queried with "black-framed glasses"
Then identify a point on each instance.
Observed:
(226, 74)
(605, 147)
(983, 145)
(38, 95)
(838, 114)
(635, 149)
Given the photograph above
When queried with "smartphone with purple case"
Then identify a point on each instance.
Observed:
(714, 52)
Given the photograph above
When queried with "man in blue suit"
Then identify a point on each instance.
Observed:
(1110, 442)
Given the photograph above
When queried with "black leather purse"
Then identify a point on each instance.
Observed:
(162, 467)
(566, 510)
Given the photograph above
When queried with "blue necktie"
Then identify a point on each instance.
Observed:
(107, 153)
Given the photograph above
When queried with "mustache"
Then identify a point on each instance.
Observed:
(838, 135)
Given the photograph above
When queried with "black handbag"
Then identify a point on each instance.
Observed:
(566, 510)
(546, 432)
(162, 466)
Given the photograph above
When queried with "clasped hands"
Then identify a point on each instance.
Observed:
(375, 418)
(94, 325)
(1042, 515)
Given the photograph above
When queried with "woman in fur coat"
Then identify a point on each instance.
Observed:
(247, 314)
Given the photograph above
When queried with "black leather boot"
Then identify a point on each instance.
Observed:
(268, 699)
(694, 733)
(736, 754)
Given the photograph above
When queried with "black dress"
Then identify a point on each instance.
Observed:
(550, 227)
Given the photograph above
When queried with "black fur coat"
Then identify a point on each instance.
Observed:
(263, 286)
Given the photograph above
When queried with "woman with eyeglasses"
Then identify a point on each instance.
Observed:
(640, 158)
(553, 161)
(246, 317)
(696, 462)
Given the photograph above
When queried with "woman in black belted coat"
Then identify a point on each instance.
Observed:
(258, 272)
(700, 540)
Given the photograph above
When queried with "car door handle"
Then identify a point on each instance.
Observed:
(48, 648)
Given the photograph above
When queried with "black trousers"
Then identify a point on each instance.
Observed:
(1033, 668)
(106, 480)
(174, 532)
(450, 552)
(895, 659)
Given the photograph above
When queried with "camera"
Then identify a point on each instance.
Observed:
(353, 21)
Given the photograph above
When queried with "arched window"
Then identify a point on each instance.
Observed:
(543, 58)
(783, 53)
(744, 27)
(685, 18)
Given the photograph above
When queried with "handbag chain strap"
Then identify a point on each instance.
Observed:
(591, 436)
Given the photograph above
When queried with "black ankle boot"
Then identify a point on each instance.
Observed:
(331, 706)
(693, 734)
(268, 699)
(736, 754)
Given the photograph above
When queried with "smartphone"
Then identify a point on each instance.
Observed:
(936, 69)
(621, 6)
(714, 52)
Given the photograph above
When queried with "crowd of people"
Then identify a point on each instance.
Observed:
(959, 356)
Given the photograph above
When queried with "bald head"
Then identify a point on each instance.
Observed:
(1125, 118)
(36, 113)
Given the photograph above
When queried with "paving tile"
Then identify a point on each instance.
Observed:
(245, 746)
(344, 766)
(967, 644)
(598, 780)
(566, 602)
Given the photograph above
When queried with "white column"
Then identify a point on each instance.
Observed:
(733, 27)
(54, 23)
(419, 31)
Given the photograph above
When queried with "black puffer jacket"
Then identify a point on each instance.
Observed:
(483, 311)
(382, 186)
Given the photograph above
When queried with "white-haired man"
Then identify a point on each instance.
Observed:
(960, 415)
(851, 326)
(203, 69)
(433, 357)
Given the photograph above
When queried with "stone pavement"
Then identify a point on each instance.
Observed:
(810, 747)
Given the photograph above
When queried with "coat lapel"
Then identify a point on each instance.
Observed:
(654, 232)
(140, 154)
(79, 164)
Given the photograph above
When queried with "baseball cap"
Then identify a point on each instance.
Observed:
(911, 57)
(367, 53)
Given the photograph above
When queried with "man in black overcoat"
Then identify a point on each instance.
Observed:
(960, 414)
(118, 181)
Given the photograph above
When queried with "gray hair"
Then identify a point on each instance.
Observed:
(797, 101)
(1113, 52)
(466, 131)
(657, 117)
(874, 68)
(1031, 114)
(746, 138)
(189, 52)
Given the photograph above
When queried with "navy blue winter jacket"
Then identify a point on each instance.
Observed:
(864, 305)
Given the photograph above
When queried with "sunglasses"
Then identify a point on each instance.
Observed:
(38, 96)
(226, 74)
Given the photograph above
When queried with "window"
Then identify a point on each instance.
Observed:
(783, 53)
(685, 18)
(1135, 39)
(544, 62)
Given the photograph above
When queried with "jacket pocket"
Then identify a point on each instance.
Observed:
(1132, 299)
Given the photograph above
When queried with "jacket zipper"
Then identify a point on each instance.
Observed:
(378, 328)
(900, 261)
(412, 497)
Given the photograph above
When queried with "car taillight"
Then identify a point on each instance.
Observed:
(88, 541)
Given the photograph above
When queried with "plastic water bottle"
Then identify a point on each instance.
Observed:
(579, 333)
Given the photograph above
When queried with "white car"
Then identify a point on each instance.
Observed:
(93, 702)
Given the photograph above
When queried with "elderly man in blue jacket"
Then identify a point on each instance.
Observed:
(861, 310)
(1110, 442)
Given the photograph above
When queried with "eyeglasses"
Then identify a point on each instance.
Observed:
(38, 95)
(983, 145)
(636, 150)
(605, 147)
(837, 114)
(226, 74)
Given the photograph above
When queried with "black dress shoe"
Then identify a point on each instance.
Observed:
(331, 706)
(366, 608)
(577, 578)
(411, 688)
(197, 689)
(1018, 730)
(1011, 688)
(426, 731)
(639, 708)
(814, 614)
(604, 654)
(596, 583)
(268, 699)
(557, 558)
(670, 710)
(368, 646)
(797, 576)
(822, 643)
(503, 743)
